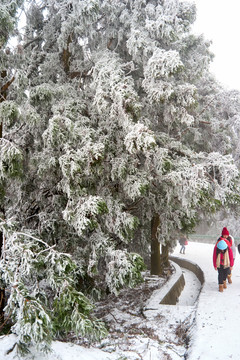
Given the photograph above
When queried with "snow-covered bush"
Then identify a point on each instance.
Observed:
(44, 301)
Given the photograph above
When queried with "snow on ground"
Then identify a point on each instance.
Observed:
(214, 335)
(191, 289)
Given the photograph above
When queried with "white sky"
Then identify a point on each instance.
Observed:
(219, 21)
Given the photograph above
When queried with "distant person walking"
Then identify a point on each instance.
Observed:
(223, 262)
(183, 243)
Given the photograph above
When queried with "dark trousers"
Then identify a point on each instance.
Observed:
(222, 274)
(182, 250)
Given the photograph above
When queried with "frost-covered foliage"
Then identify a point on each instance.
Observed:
(10, 160)
(107, 118)
(124, 268)
(82, 215)
(8, 11)
(44, 300)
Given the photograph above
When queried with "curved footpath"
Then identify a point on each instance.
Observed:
(216, 333)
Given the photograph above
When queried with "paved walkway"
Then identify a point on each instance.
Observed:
(217, 332)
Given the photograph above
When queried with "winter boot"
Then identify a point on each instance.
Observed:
(225, 284)
(229, 277)
(221, 287)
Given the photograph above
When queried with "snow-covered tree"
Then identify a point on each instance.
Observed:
(8, 23)
(219, 131)
(96, 146)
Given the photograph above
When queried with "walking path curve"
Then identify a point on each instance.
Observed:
(216, 333)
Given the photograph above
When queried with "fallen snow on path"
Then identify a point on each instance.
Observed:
(191, 289)
(216, 333)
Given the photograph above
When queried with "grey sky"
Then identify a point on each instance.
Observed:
(219, 21)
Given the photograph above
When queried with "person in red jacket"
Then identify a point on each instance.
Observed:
(224, 236)
(228, 239)
(222, 261)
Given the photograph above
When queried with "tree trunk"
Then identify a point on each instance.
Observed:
(156, 268)
(3, 94)
(164, 256)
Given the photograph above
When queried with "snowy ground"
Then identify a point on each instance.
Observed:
(216, 334)
(164, 333)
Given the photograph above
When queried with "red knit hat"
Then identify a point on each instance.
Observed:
(225, 231)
